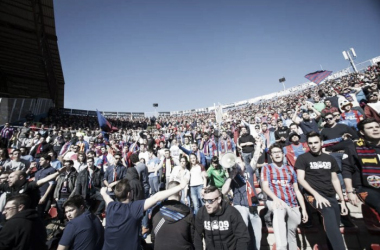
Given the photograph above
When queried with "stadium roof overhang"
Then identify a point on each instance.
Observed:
(30, 65)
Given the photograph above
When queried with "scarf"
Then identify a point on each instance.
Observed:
(163, 179)
(370, 164)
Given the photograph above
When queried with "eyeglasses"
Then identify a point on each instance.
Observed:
(337, 115)
(276, 152)
(9, 208)
(209, 201)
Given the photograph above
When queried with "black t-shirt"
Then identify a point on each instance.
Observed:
(336, 133)
(247, 138)
(318, 169)
(281, 132)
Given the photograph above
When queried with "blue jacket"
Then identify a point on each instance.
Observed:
(203, 158)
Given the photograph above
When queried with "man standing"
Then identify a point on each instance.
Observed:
(281, 133)
(295, 149)
(88, 184)
(83, 145)
(173, 223)
(124, 217)
(165, 167)
(194, 149)
(279, 182)
(246, 144)
(336, 137)
(114, 173)
(220, 224)
(5, 135)
(245, 199)
(307, 124)
(226, 145)
(23, 229)
(47, 189)
(361, 167)
(208, 148)
(84, 230)
(317, 173)
(65, 187)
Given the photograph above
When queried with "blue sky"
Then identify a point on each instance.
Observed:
(183, 54)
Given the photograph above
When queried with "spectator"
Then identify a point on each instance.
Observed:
(219, 224)
(124, 217)
(173, 222)
(83, 231)
(23, 229)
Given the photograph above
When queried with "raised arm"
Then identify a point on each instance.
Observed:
(162, 195)
(294, 118)
(50, 177)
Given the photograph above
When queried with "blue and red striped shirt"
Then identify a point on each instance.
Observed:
(280, 181)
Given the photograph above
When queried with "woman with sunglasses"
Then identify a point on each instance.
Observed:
(180, 173)
(198, 180)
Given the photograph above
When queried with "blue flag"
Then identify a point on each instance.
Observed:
(103, 123)
(318, 76)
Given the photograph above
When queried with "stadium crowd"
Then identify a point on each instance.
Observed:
(314, 149)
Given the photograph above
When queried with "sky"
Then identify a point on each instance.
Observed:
(125, 55)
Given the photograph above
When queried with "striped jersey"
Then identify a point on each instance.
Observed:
(280, 181)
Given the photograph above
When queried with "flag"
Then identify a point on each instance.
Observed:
(103, 123)
(219, 114)
(318, 76)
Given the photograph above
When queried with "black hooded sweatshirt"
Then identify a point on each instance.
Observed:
(223, 230)
(24, 231)
(173, 223)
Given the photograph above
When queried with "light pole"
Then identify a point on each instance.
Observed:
(282, 80)
(155, 105)
(347, 56)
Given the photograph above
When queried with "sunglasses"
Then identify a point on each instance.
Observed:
(329, 119)
(209, 201)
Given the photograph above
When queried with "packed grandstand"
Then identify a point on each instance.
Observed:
(71, 146)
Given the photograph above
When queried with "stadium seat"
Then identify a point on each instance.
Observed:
(53, 213)
(375, 247)
(371, 219)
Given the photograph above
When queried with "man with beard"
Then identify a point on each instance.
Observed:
(220, 224)
(307, 124)
(317, 174)
(226, 145)
(361, 168)
(293, 128)
(295, 149)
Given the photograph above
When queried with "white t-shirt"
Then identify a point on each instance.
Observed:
(176, 176)
(196, 175)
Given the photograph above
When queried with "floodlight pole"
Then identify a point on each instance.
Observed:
(348, 56)
(282, 80)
